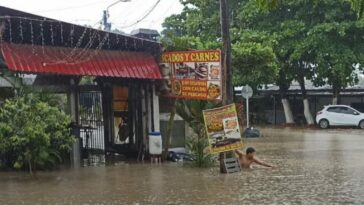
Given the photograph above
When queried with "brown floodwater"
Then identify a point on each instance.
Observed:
(313, 167)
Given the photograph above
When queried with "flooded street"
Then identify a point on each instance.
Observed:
(313, 167)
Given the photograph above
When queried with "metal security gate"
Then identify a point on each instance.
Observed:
(91, 121)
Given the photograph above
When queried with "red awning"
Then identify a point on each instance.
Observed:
(79, 61)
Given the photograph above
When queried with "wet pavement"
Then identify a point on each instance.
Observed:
(313, 167)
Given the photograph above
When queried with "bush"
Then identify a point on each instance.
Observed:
(199, 152)
(33, 134)
(191, 112)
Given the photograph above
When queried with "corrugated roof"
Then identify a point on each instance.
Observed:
(34, 26)
(80, 62)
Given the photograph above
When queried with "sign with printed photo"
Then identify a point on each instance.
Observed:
(222, 129)
(193, 74)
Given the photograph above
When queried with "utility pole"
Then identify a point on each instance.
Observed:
(105, 15)
(226, 51)
(226, 64)
(107, 25)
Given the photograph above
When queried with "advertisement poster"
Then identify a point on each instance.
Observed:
(193, 74)
(222, 129)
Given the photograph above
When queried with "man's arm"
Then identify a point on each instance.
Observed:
(262, 163)
(238, 152)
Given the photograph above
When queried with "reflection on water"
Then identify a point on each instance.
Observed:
(314, 167)
(94, 160)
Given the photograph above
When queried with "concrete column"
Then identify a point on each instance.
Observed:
(73, 102)
(144, 120)
(156, 116)
(149, 105)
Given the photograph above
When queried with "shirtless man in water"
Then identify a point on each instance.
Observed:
(246, 160)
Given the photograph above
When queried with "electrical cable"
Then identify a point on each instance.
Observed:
(145, 16)
(162, 14)
(133, 7)
(70, 8)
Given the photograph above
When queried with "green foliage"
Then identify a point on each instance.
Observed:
(183, 43)
(316, 40)
(306, 39)
(191, 112)
(33, 134)
(43, 95)
(267, 4)
(87, 80)
(199, 18)
(200, 153)
(358, 7)
(198, 27)
(253, 58)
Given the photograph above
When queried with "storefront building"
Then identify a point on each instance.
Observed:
(116, 110)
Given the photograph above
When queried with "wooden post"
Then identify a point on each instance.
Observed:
(106, 95)
(226, 63)
(226, 52)
(131, 116)
(167, 139)
(73, 105)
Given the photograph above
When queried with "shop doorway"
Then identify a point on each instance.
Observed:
(121, 121)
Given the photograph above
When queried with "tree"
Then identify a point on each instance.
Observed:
(197, 27)
(285, 32)
(305, 31)
(33, 134)
(357, 6)
(253, 57)
(294, 45)
(339, 52)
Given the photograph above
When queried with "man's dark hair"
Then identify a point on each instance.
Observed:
(250, 150)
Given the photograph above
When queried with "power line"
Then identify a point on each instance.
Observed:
(70, 7)
(162, 14)
(126, 13)
(145, 16)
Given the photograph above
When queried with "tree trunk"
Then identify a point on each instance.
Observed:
(307, 112)
(30, 167)
(306, 104)
(167, 140)
(287, 111)
(334, 100)
(336, 95)
(283, 88)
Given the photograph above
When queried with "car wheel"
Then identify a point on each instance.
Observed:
(361, 124)
(324, 123)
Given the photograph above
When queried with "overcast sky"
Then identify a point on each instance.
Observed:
(122, 15)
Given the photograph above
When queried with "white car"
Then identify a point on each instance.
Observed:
(339, 115)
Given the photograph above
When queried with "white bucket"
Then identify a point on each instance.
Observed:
(155, 143)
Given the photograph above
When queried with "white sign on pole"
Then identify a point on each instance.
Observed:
(247, 92)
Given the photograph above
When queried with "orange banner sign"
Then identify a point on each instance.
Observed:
(193, 74)
(191, 56)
